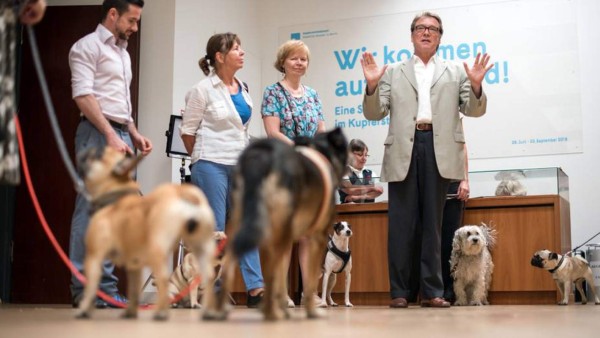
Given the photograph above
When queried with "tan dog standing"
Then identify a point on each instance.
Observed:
(566, 271)
(186, 272)
(135, 231)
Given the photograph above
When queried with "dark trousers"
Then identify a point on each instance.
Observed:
(415, 223)
(453, 218)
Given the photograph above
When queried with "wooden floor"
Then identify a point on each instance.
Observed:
(510, 321)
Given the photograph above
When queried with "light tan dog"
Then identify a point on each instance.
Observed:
(135, 231)
(281, 194)
(566, 271)
(186, 272)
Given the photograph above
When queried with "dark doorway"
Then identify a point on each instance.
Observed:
(38, 274)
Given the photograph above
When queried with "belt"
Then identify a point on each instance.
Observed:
(424, 126)
(117, 125)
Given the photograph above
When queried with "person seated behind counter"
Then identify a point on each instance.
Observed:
(358, 185)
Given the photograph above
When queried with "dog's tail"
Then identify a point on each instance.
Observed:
(490, 233)
(253, 174)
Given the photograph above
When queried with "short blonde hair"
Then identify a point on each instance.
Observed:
(288, 48)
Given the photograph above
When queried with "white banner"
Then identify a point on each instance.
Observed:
(533, 89)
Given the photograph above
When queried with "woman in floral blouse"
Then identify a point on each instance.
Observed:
(291, 109)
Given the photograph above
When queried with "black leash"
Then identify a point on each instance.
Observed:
(78, 183)
(584, 243)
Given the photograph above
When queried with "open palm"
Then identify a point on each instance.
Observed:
(479, 69)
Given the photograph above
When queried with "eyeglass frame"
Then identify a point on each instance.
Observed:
(420, 29)
(364, 154)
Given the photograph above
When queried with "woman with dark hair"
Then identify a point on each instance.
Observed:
(214, 131)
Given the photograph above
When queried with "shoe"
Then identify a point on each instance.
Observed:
(119, 298)
(449, 296)
(435, 302)
(290, 303)
(399, 303)
(254, 301)
(98, 303)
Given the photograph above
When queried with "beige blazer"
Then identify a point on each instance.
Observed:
(396, 96)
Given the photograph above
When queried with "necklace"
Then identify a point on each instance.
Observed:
(299, 92)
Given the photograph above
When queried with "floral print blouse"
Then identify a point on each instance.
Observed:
(299, 116)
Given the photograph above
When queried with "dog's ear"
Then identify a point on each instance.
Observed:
(337, 227)
(125, 166)
(553, 255)
(456, 241)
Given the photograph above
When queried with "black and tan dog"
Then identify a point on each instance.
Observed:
(282, 193)
(135, 231)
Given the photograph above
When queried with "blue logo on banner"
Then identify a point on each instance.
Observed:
(295, 36)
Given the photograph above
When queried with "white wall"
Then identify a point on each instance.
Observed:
(169, 68)
(579, 167)
(195, 22)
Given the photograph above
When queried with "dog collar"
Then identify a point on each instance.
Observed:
(344, 256)
(110, 198)
(562, 258)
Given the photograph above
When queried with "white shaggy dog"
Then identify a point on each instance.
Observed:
(471, 263)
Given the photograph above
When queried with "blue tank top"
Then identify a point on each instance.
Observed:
(241, 106)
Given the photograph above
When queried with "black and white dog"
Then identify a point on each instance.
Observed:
(337, 260)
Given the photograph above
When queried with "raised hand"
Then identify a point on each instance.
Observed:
(478, 71)
(371, 71)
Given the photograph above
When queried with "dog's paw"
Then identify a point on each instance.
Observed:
(349, 304)
(597, 303)
(196, 306)
(275, 314)
(460, 303)
(214, 315)
(563, 303)
(161, 315)
(323, 304)
(475, 303)
(82, 315)
(315, 313)
(129, 315)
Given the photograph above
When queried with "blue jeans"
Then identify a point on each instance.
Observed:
(215, 181)
(88, 136)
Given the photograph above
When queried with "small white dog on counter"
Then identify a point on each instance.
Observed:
(567, 270)
(337, 260)
(185, 273)
(471, 263)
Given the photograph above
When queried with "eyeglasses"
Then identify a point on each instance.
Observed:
(420, 29)
(365, 155)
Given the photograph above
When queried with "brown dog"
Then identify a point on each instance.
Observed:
(280, 194)
(135, 231)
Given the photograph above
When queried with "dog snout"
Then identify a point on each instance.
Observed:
(537, 261)
(348, 232)
(475, 240)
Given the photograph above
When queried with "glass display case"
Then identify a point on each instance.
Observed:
(519, 182)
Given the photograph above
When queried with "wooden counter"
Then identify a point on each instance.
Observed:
(525, 225)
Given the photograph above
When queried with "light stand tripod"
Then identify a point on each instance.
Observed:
(175, 149)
